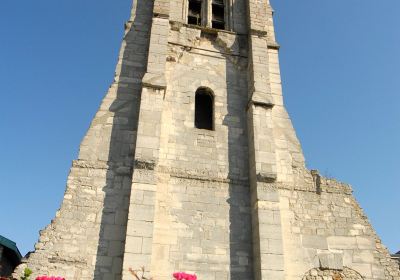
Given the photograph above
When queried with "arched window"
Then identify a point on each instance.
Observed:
(204, 109)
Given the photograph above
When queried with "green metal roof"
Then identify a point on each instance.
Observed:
(10, 245)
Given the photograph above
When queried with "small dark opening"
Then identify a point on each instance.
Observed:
(204, 109)
(218, 14)
(194, 16)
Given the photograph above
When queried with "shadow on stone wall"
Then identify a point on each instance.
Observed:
(240, 229)
(125, 107)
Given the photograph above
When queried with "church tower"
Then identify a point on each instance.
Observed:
(192, 164)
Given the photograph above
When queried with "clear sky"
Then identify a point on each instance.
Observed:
(340, 65)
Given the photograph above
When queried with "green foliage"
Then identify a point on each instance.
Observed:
(27, 274)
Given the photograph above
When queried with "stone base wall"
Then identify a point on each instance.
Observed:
(203, 227)
(87, 236)
(324, 227)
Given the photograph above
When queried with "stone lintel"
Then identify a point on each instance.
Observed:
(331, 260)
(176, 25)
(266, 103)
(273, 45)
(259, 98)
(145, 164)
(266, 177)
(154, 86)
(154, 80)
(160, 15)
(259, 33)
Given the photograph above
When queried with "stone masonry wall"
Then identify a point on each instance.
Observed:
(86, 238)
(202, 218)
(204, 227)
(324, 227)
(221, 152)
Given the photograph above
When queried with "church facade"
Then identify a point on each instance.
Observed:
(192, 164)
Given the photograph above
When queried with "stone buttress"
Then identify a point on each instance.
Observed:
(158, 187)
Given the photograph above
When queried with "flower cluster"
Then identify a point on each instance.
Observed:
(49, 278)
(184, 276)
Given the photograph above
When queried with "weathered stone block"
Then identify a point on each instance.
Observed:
(314, 241)
(332, 261)
(342, 242)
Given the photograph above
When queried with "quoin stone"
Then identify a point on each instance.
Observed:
(192, 164)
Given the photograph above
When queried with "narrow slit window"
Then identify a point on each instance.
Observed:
(204, 109)
(194, 16)
(218, 14)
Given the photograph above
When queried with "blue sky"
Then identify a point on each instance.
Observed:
(340, 67)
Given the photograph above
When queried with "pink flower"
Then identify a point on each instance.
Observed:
(184, 276)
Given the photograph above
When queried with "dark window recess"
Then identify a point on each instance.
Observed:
(194, 16)
(218, 14)
(204, 109)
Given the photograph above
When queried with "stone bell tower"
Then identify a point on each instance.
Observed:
(192, 164)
